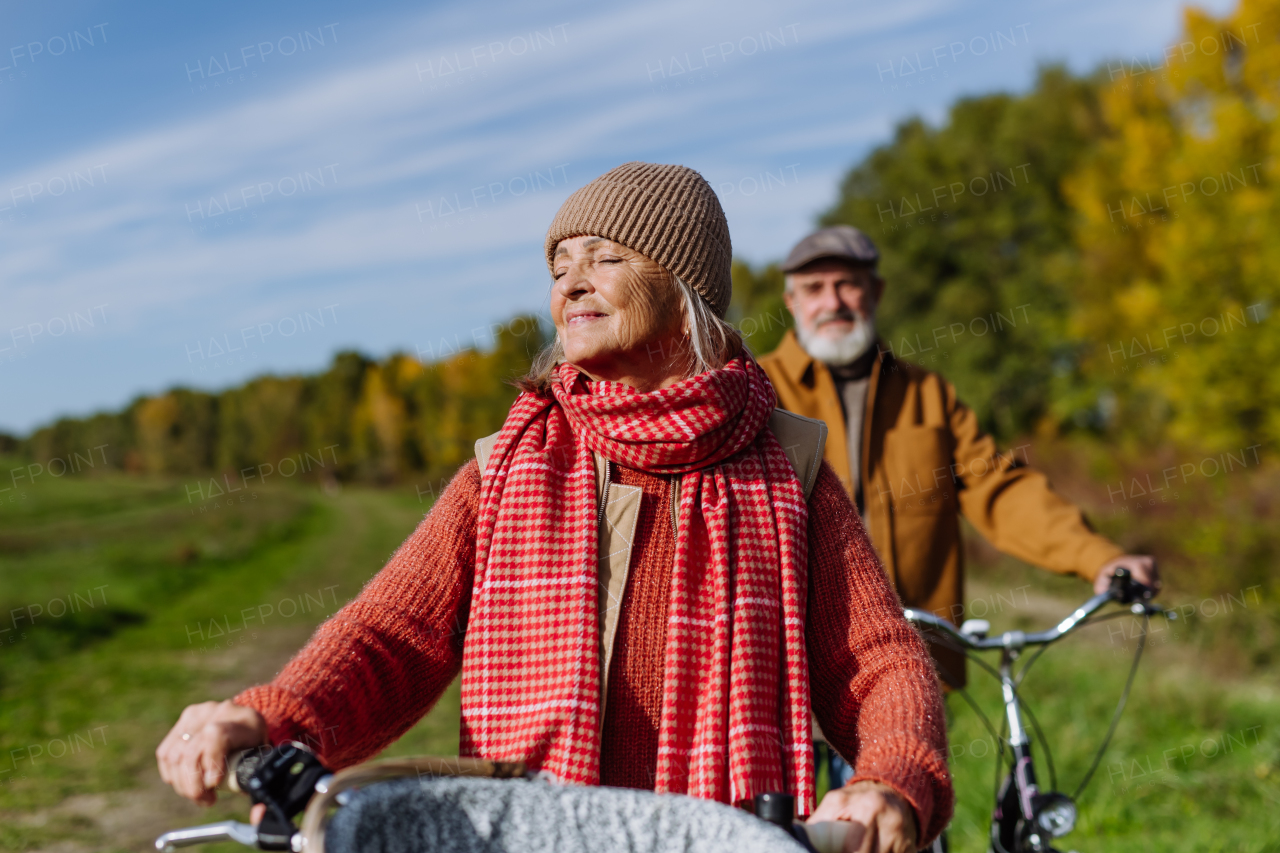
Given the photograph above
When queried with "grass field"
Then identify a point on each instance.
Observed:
(165, 602)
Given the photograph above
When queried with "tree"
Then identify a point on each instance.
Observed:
(1178, 216)
(757, 309)
(176, 432)
(976, 243)
(380, 421)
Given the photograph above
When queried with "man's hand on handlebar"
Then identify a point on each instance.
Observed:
(193, 756)
(1141, 566)
(882, 821)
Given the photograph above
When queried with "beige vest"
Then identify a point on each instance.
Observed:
(803, 439)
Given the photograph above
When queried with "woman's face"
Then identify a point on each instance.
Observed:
(617, 312)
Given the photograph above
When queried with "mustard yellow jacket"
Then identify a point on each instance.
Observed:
(925, 461)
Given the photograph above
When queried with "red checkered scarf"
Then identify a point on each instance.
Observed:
(735, 715)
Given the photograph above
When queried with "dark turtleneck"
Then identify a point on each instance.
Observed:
(852, 381)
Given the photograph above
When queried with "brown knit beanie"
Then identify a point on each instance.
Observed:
(667, 213)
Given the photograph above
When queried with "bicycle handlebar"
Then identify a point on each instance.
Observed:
(286, 777)
(1124, 590)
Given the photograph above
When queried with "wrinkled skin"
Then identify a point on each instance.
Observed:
(196, 766)
(619, 319)
(882, 820)
(826, 295)
(617, 313)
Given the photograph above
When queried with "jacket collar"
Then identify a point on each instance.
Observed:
(797, 364)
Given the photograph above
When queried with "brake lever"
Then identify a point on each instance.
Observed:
(283, 778)
(1143, 608)
(227, 830)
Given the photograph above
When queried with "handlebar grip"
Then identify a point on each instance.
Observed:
(240, 766)
(1126, 590)
(229, 781)
(827, 836)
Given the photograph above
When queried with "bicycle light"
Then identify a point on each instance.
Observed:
(1055, 814)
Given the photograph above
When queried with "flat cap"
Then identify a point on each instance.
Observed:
(841, 242)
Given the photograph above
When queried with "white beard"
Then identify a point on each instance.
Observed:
(841, 351)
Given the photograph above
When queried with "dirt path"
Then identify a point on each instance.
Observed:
(132, 819)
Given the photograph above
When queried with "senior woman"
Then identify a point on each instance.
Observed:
(623, 575)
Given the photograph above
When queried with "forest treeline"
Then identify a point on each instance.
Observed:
(360, 420)
(1097, 254)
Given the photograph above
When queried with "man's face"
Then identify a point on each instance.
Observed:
(827, 297)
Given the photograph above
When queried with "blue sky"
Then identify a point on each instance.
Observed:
(193, 194)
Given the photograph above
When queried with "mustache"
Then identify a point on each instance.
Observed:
(847, 316)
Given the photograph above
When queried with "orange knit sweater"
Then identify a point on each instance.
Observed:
(379, 664)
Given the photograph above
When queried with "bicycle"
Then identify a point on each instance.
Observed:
(1024, 818)
(289, 778)
(460, 805)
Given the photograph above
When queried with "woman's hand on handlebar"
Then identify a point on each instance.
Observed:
(193, 756)
(882, 820)
(1141, 566)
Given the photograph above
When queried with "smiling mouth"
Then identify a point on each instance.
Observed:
(585, 318)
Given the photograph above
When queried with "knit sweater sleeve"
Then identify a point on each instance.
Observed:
(873, 687)
(372, 670)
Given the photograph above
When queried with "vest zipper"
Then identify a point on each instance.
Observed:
(675, 503)
(604, 495)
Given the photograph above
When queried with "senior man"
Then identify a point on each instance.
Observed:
(908, 452)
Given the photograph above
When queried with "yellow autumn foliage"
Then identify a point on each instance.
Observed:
(1177, 229)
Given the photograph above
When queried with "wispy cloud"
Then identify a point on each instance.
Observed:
(153, 235)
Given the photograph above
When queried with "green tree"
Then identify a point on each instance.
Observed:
(757, 309)
(260, 422)
(328, 401)
(976, 243)
(465, 397)
(380, 420)
(176, 432)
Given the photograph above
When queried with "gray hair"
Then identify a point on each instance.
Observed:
(710, 343)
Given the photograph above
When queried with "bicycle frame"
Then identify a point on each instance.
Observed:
(1026, 819)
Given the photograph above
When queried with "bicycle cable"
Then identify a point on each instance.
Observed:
(986, 721)
(1026, 706)
(951, 644)
(946, 641)
(1022, 673)
(1044, 742)
(1092, 620)
(1017, 681)
(1115, 718)
(1039, 732)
